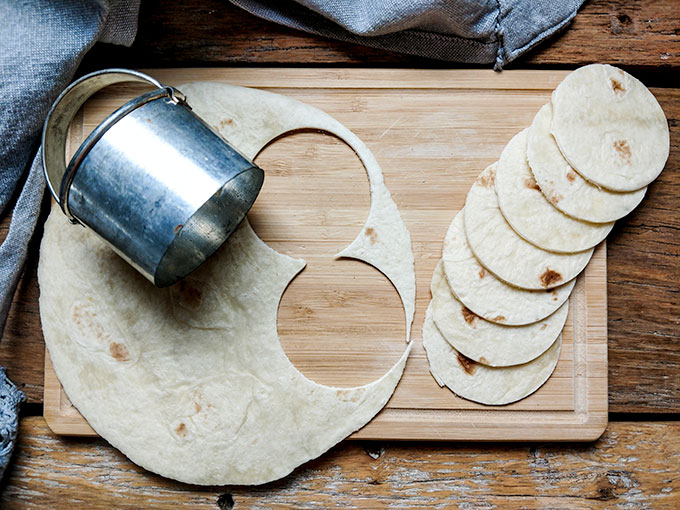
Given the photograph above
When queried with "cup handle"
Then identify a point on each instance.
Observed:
(61, 115)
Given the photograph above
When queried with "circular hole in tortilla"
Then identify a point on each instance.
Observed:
(341, 322)
(315, 197)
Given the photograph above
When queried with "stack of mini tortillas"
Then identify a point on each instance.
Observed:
(530, 223)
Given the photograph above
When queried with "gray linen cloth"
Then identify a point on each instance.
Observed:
(470, 31)
(41, 45)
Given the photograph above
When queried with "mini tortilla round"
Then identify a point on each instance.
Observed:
(530, 214)
(564, 187)
(487, 342)
(480, 383)
(511, 258)
(487, 296)
(610, 127)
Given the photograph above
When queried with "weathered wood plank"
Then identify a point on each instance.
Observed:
(643, 266)
(642, 33)
(22, 350)
(634, 465)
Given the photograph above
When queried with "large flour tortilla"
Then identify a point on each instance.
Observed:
(191, 382)
(528, 211)
(610, 127)
(506, 254)
(487, 296)
(486, 342)
(480, 383)
(564, 187)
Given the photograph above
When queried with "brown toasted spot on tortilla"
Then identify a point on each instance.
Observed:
(348, 395)
(499, 318)
(190, 295)
(483, 360)
(550, 277)
(85, 319)
(198, 407)
(372, 235)
(531, 183)
(469, 316)
(226, 122)
(623, 149)
(482, 273)
(571, 175)
(181, 430)
(554, 295)
(555, 198)
(617, 87)
(80, 316)
(119, 352)
(468, 365)
(178, 228)
(487, 179)
(544, 326)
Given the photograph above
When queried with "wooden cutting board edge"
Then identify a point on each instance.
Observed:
(587, 421)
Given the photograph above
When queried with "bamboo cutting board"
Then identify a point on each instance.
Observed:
(340, 321)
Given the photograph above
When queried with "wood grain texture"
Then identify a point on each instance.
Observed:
(340, 321)
(639, 33)
(633, 466)
(22, 349)
(635, 34)
(643, 266)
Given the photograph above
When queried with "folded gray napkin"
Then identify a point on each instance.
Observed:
(470, 31)
(41, 45)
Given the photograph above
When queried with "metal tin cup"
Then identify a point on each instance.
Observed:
(158, 184)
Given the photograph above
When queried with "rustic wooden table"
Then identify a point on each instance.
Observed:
(636, 463)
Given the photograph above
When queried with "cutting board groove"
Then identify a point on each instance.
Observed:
(340, 321)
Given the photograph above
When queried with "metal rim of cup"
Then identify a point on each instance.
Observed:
(57, 123)
(97, 133)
